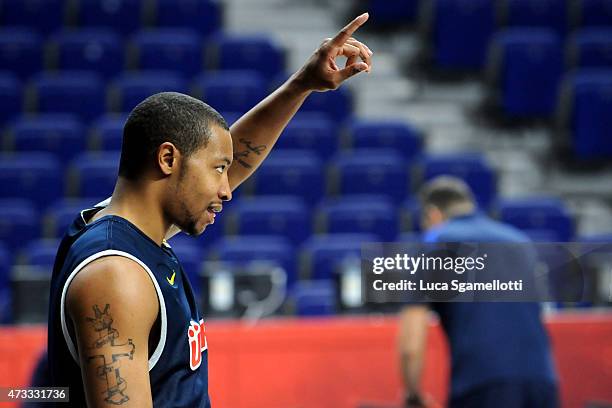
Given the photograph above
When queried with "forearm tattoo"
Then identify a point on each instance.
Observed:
(249, 149)
(106, 352)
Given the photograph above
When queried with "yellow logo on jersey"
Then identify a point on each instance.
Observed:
(171, 280)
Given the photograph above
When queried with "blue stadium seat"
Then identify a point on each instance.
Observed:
(235, 91)
(460, 32)
(20, 51)
(19, 223)
(60, 214)
(387, 134)
(64, 92)
(41, 253)
(537, 13)
(595, 13)
(529, 71)
(367, 214)
(590, 119)
(94, 174)
(337, 104)
(122, 15)
(313, 132)
(107, 132)
(592, 47)
(473, 168)
(63, 135)
(133, 88)
(315, 298)
(170, 49)
(291, 172)
(384, 13)
(33, 176)
(10, 96)
(248, 248)
(202, 15)
(258, 53)
(322, 255)
(41, 15)
(372, 171)
(540, 213)
(98, 50)
(273, 215)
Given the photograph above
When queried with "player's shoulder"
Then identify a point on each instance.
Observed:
(113, 280)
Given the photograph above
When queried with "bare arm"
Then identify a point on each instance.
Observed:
(414, 322)
(112, 324)
(255, 133)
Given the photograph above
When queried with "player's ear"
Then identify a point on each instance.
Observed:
(168, 157)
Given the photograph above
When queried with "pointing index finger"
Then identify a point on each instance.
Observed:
(348, 31)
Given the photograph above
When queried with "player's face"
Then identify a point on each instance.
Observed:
(203, 184)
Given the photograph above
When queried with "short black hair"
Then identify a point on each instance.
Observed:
(445, 192)
(165, 117)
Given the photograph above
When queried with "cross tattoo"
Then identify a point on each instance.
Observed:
(110, 356)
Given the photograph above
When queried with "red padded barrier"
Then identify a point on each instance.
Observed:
(341, 362)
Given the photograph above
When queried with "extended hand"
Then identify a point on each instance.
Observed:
(320, 73)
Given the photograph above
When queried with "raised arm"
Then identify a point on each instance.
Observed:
(112, 304)
(255, 133)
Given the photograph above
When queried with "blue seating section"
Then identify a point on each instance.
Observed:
(169, 49)
(361, 214)
(258, 53)
(273, 215)
(590, 120)
(530, 71)
(33, 176)
(472, 168)
(201, 15)
(315, 298)
(591, 48)
(71, 70)
(59, 134)
(373, 171)
(124, 16)
(45, 15)
(537, 13)
(232, 91)
(64, 92)
(99, 50)
(20, 51)
(546, 216)
(460, 32)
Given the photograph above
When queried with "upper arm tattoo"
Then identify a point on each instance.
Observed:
(106, 352)
(240, 156)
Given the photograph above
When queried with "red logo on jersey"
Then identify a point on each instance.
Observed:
(196, 334)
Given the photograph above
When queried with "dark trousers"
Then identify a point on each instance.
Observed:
(510, 394)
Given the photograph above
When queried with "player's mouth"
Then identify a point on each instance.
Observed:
(212, 212)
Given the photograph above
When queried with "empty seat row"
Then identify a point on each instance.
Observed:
(559, 14)
(125, 16)
(226, 91)
(40, 176)
(65, 136)
(25, 52)
(460, 31)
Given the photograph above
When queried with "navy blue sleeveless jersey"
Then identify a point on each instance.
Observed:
(494, 340)
(178, 351)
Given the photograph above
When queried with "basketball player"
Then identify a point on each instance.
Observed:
(124, 328)
(500, 354)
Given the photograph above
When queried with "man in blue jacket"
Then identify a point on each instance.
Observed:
(500, 353)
